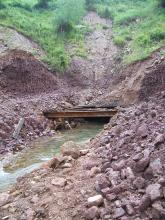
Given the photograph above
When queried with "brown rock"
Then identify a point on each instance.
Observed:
(159, 139)
(92, 213)
(139, 183)
(111, 197)
(129, 209)
(142, 131)
(142, 164)
(70, 149)
(119, 188)
(53, 163)
(94, 171)
(144, 203)
(101, 183)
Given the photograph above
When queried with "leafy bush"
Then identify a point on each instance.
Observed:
(143, 40)
(67, 14)
(157, 34)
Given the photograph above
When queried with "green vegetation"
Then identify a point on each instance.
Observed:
(32, 19)
(137, 25)
(68, 14)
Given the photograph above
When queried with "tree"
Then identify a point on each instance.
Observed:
(68, 13)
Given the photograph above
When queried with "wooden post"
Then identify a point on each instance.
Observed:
(18, 128)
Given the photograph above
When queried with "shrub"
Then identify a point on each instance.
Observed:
(157, 34)
(143, 40)
(68, 13)
(119, 41)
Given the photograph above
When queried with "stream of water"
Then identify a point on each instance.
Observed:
(43, 150)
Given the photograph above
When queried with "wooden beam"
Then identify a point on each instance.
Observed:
(99, 113)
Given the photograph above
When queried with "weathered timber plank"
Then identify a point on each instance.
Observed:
(80, 114)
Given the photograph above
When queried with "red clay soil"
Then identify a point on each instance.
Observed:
(21, 74)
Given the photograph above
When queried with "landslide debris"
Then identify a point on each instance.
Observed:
(121, 177)
(136, 82)
(132, 149)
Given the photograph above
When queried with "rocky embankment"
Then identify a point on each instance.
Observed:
(27, 88)
(119, 176)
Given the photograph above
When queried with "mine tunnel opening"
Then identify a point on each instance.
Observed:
(103, 120)
(70, 118)
(73, 123)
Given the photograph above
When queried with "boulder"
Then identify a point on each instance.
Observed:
(70, 149)
(95, 201)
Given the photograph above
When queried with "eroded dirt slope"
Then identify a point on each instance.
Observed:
(10, 39)
(95, 71)
(135, 82)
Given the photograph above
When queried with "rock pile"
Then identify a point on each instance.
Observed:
(132, 178)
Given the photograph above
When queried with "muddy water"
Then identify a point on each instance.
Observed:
(42, 150)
